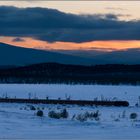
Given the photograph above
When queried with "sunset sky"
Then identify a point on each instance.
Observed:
(69, 25)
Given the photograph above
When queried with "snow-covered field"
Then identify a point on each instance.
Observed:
(17, 121)
(89, 92)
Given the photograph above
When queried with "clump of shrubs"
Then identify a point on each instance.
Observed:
(21, 108)
(53, 114)
(57, 115)
(40, 113)
(133, 116)
(87, 115)
(32, 107)
(64, 113)
(81, 118)
(43, 108)
(38, 108)
(25, 108)
(117, 120)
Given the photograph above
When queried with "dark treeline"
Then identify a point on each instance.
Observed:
(72, 74)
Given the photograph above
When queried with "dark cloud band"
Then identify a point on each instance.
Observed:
(52, 25)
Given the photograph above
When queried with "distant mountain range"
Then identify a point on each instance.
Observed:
(13, 56)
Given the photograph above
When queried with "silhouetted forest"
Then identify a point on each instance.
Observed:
(72, 74)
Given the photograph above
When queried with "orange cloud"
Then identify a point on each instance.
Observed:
(93, 45)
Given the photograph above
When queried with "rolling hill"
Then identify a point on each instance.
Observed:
(18, 56)
(128, 56)
(12, 55)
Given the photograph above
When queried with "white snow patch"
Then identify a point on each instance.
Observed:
(17, 123)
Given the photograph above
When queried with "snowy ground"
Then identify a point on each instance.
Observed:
(89, 92)
(16, 122)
